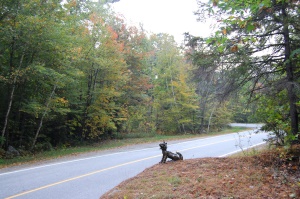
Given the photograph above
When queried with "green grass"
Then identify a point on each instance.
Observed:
(124, 140)
(174, 181)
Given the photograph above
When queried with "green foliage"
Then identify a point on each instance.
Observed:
(72, 72)
(222, 116)
(243, 109)
(2, 140)
(274, 114)
(256, 44)
(174, 97)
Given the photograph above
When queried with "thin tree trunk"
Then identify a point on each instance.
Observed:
(209, 120)
(290, 75)
(183, 128)
(204, 102)
(10, 103)
(173, 92)
(202, 114)
(42, 118)
(92, 80)
(87, 104)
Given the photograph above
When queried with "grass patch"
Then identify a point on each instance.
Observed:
(175, 181)
(123, 140)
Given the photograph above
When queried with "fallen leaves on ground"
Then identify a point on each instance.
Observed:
(260, 176)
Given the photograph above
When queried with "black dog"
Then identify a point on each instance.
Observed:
(168, 154)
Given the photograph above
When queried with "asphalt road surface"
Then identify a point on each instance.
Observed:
(90, 177)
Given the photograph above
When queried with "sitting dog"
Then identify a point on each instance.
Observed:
(168, 154)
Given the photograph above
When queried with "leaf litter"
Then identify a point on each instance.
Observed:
(267, 175)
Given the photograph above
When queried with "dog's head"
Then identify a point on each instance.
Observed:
(163, 146)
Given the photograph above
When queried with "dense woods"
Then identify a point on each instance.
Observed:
(73, 72)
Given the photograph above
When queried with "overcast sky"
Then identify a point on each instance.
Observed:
(163, 16)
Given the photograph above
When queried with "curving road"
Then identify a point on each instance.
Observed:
(92, 176)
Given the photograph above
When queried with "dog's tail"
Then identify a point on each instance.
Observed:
(180, 155)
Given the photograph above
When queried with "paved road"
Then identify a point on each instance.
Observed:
(93, 176)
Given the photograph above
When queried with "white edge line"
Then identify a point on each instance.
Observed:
(227, 154)
(82, 159)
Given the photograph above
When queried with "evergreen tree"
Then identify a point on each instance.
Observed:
(258, 42)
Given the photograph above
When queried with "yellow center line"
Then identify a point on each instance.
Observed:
(81, 176)
(99, 171)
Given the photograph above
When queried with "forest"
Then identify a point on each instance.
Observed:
(74, 72)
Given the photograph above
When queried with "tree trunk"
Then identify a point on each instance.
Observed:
(290, 75)
(202, 114)
(92, 80)
(210, 117)
(173, 92)
(10, 104)
(204, 93)
(42, 118)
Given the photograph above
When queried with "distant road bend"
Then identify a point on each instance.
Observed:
(90, 177)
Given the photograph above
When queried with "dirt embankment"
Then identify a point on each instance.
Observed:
(261, 176)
